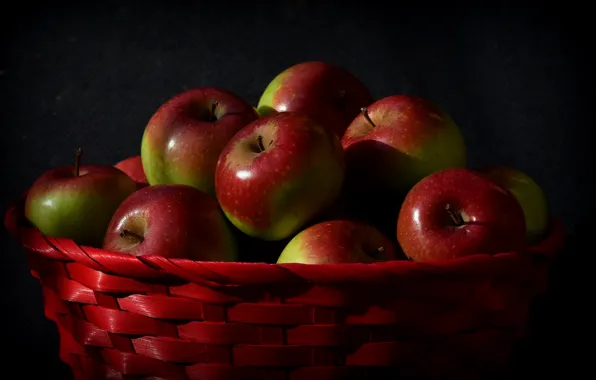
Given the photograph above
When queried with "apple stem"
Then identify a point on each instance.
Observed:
(77, 166)
(379, 251)
(260, 143)
(131, 236)
(367, 116)
(457, 219)
(214, 106)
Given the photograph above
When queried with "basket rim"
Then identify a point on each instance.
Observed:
(216, 274)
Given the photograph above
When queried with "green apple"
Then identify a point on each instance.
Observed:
(77, 202)
(528, 193)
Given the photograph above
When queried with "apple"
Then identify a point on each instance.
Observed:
(174, 221)
(77, 202)
(185, 136)
(337, 242)
(278, 173)
(328, 93)
(133, 167)
(528, 193)
(459, 212)
(398, 140)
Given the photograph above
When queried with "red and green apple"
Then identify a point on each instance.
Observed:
(326, 92)
(337, 242)
(77, 202)
(459, 212)
(174, 221)
(277, 173)
(184, 137)
(398, 140)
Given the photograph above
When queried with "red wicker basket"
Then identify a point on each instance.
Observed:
(126, 317)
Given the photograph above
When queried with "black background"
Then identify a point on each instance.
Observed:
(515, 78)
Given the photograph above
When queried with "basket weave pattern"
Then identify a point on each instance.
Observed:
(126, 317)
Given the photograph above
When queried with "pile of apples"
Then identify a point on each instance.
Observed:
(319, 167)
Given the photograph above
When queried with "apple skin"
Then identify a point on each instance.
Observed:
(528, 193)
(62, 204)
(338, 242)
(271, 194)
(133, 167)
(493, 220)
(328, 93)
(411, 139)
(184, 137)
(174, 221)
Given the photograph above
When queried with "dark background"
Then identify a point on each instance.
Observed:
(515, 78)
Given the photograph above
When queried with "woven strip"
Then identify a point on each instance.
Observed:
(125, 317)
(218, 274)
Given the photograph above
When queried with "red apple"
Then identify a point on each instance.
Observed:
(337, 242)
(185, 136)
(397, 141)
(278, 173)
(77, 202)
(133, 167)
(330, 94)
(459, 212)
(175, 221)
